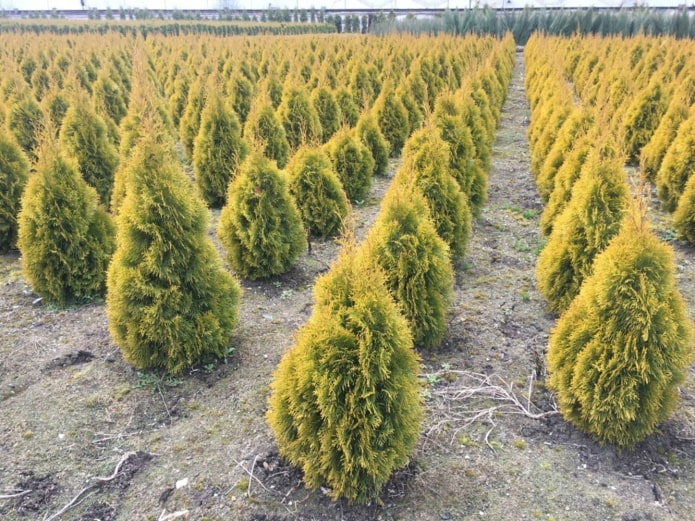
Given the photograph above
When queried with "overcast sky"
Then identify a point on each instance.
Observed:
(331, 4)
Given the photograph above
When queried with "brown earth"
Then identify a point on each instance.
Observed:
(71, 409)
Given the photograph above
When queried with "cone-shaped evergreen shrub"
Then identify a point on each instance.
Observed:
(84, 137)
(565, 178)
(298, 116)
(583, 230)
(65, 237)
(353, 163)
(57, 106)
(684, 216)
(14, 172)
(370, 134)
(242, 93)
(393, 120)
(25, 121)
(349, 111)
(619, 352)
(415, 261)
(345, 404)
(653, 152)
(328, 111)
(318, 192)
(462, 153)
(413, 109)
(260, 226)
(108, 95)
(642, 118)
(678, 164)
(574, 127)
(170, 303)
(218, 150)
(264, 130)
(189, 125)
(426, 164)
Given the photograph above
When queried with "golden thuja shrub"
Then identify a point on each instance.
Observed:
(318, 192)
(345, 401)
(618, 354)
(575, 126)
(218, 150)
(65, 236)
(589, 221)
(353, 163)
(565, 178)
(642, 118)
(426, 165)
(260, 227)
(14, 173)
(170, 303)
(684, 216)
(653, 153)
(416, 262)
(678, 164)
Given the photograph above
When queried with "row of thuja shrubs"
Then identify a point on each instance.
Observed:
(345, 405)
(650, 98)
(150, 27)
(622, 343)
(624, 22)
(263, 229)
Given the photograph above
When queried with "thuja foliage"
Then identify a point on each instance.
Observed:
(328, 111)
(349, 110)
(393, 119)
(575, 126)
(84, 137)
(426, 165)
(65, 237)
(170, 303)
(260, 226)
(345, 404)
(415, 261)
(583, 230)
(25, 121)
(462, 152)
(619, 352)
(218, 150)
(242, 91)
(653, 152)
(352, 162)
(318, 192)
(264, 129)
(642, 118)
(565, 178)
(189, 124)
(684, 216)
(14, 173)
(369, 132)
(299, 117)
(678, 164)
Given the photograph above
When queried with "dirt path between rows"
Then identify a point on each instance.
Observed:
(72, 409)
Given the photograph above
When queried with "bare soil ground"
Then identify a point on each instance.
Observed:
(71, 410)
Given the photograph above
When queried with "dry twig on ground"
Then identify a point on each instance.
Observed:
(454, 403)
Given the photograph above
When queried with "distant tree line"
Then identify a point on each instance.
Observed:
(625, 22)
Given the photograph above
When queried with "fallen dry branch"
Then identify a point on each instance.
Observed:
(174, 515)
(82, 494)
(456, 404)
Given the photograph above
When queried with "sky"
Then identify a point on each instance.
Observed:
(331, 4)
